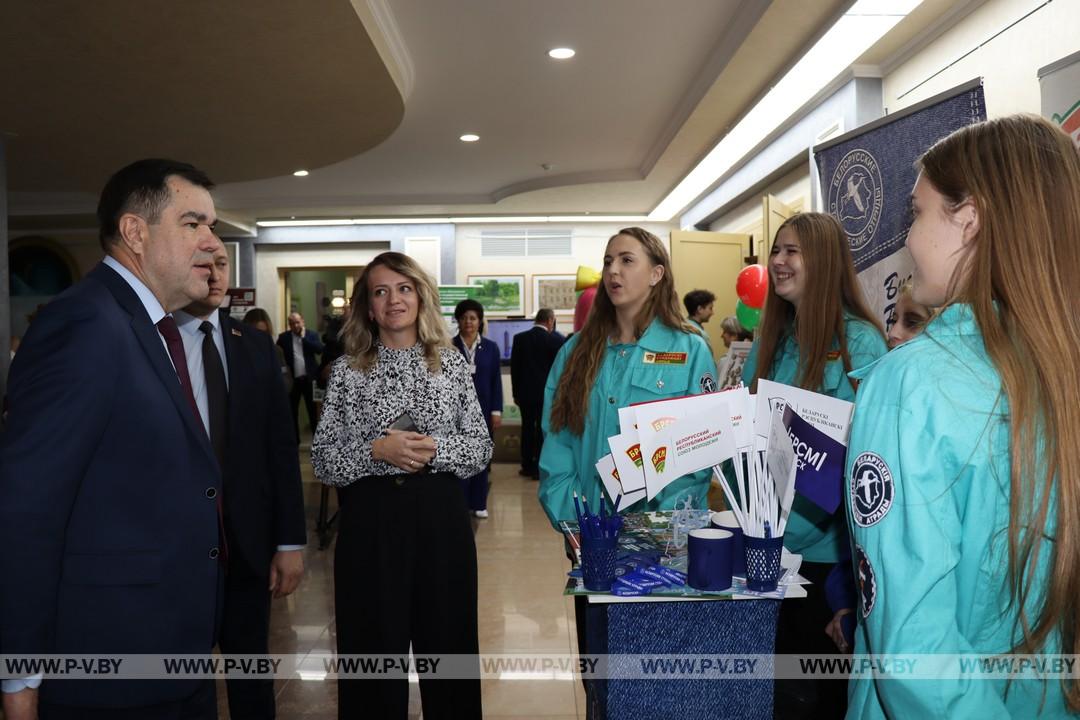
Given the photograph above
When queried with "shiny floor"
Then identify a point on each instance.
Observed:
(522, 569)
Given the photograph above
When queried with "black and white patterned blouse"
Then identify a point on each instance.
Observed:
(359, 406)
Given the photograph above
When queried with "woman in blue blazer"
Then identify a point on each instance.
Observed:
(483, 357)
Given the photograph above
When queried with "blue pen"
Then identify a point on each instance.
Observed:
(768, 530)
(582, 525)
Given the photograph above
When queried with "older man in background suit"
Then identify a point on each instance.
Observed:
(300, 346)
(242, 402)
(108, 482)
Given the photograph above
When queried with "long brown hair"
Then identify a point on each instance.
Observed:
(831, 287)
(571, 403)
(1023, 176)
(360, 332)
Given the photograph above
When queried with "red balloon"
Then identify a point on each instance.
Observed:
(584, 305)
(752, 285)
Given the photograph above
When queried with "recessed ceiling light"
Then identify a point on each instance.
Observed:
(301, 173)
(469, 137)
(561, 53)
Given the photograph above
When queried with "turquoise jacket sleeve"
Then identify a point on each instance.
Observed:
(750, 366)
(910, 557)
(558, 457)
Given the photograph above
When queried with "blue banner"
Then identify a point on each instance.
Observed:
(866, 181)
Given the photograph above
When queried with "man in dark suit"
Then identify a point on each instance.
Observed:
(108, 481)
(531, 358)
(242, 402)
(300, 346)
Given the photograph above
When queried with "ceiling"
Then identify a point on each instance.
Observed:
(370, 96)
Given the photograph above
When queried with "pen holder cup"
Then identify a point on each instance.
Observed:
(763, 562)
(598, 562)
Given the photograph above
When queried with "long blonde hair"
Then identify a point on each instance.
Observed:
(1023, 176)
(831, 287)
(360, 332)
(571, 402)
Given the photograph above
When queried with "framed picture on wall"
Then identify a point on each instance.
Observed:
(554, 291)
(500, 294)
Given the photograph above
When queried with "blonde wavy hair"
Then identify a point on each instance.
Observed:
(1022, 174)
(360, 333)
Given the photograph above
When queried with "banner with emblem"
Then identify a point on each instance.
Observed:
(1059, 84)
(867, 176)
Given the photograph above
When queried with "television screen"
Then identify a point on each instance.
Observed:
(502, 332)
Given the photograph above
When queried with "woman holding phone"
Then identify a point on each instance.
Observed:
(401, 426)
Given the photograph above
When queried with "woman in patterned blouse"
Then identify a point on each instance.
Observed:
(400, 425)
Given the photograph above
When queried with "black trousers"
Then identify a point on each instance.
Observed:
(201, 705)
(532, 438)
(245, 630)
(405, 572)
(801, 630)
(302, 386)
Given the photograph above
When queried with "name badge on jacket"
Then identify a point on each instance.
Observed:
(664, 358)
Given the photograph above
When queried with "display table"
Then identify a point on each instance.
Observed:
(679, 622)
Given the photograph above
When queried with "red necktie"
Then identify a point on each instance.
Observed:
(167, 327)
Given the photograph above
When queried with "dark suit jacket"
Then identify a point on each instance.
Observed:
(487, 378)
(264, 502)
(107, 483)
(531, 358)
(311, 345)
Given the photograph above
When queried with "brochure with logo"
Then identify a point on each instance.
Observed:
(609, 476)
(626, 454)
(819, 462)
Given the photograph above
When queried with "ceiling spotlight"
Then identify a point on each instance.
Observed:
(561, 53)
(301, 173)
(469, 137)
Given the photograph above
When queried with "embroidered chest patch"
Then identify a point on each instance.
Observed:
(871, 489)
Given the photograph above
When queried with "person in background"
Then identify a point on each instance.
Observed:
(108, 521)
(810, 267)
(531, 357)
(236, 378)
(483, 358)
(260, 320)
(911, 318)
(300, 346)
(611, 364)
(964, 465)
(699, 308)
(401, 428)
(733, 331)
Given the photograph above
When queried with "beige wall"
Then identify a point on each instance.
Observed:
(269, 259)
(792, 189)
(1008, 63)
(587, 249)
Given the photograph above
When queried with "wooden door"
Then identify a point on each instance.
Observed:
(709, 261)
(773, 214)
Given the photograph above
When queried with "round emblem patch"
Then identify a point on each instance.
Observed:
(871, 489)
(864, 578)
(855, 197)
(708, 383)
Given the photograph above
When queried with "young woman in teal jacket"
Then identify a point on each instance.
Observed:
(964, 487)
(816, 328)
(634, 347)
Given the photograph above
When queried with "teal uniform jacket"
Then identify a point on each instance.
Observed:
(811, 531)
(928, 508)
(567, 461)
